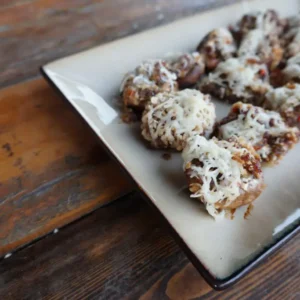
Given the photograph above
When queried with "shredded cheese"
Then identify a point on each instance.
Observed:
(284, 99)
(223, 42)
(171, 118)
(265, 21)
(292, 70)
(252, 124)
(250, 44)
(144, 75)
(240, 76)
(223, 178)
(182, 63)
(219, 41)
(294, 46)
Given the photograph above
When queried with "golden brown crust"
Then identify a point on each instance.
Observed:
(244, 199)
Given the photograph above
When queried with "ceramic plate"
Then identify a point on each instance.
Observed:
(221, 251)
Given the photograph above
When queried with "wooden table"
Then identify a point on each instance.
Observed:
(67, 238)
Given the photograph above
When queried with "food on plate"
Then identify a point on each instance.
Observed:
(148, 79)
(268, 21)
(293, 42)
(238, 79)
(286, 101)
(224, 175)
(170, 118)
(239, 65)
(218, 45)
(267, 48)
(188, 68)
(265, 130)
(291, 38)
(292, 70)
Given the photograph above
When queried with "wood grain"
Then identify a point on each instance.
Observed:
(53, 169)
(122, 251)
(34, 32)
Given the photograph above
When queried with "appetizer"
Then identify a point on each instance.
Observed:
(148, 79)
(292, 70)
(286, 101)
(170, 118)
(265, 130)
(218, 45)
(267, 48)
(241, 65)
(291, 38)
(268, 21)
(238, 79)
(224, 175)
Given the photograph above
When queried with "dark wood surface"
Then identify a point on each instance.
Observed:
(53, 171)
(122, 251)
(33, 32)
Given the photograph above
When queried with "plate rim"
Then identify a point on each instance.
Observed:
(214, 282)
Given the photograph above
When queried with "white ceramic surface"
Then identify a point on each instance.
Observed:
(90, 81)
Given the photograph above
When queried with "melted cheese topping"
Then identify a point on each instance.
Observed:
(292, 70)
(251, 43)
(228, 176)
(294, 47)
(183, 62)
(240, 75)
(252, 123)
(223, 41)
(144, 75)
(264, 21)
(284, 99)
(172, 117)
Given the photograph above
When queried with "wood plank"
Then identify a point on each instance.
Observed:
(53, 169)
(122, 251)
(34, 32)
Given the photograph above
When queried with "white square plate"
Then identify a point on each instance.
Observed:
(222, 251)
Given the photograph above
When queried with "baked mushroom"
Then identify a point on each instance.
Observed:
(224, 175)
(170, 118)
(286, 101)
(148, 79)
(218, 45)
(238, 79)
(188, 68)
(265, 130)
